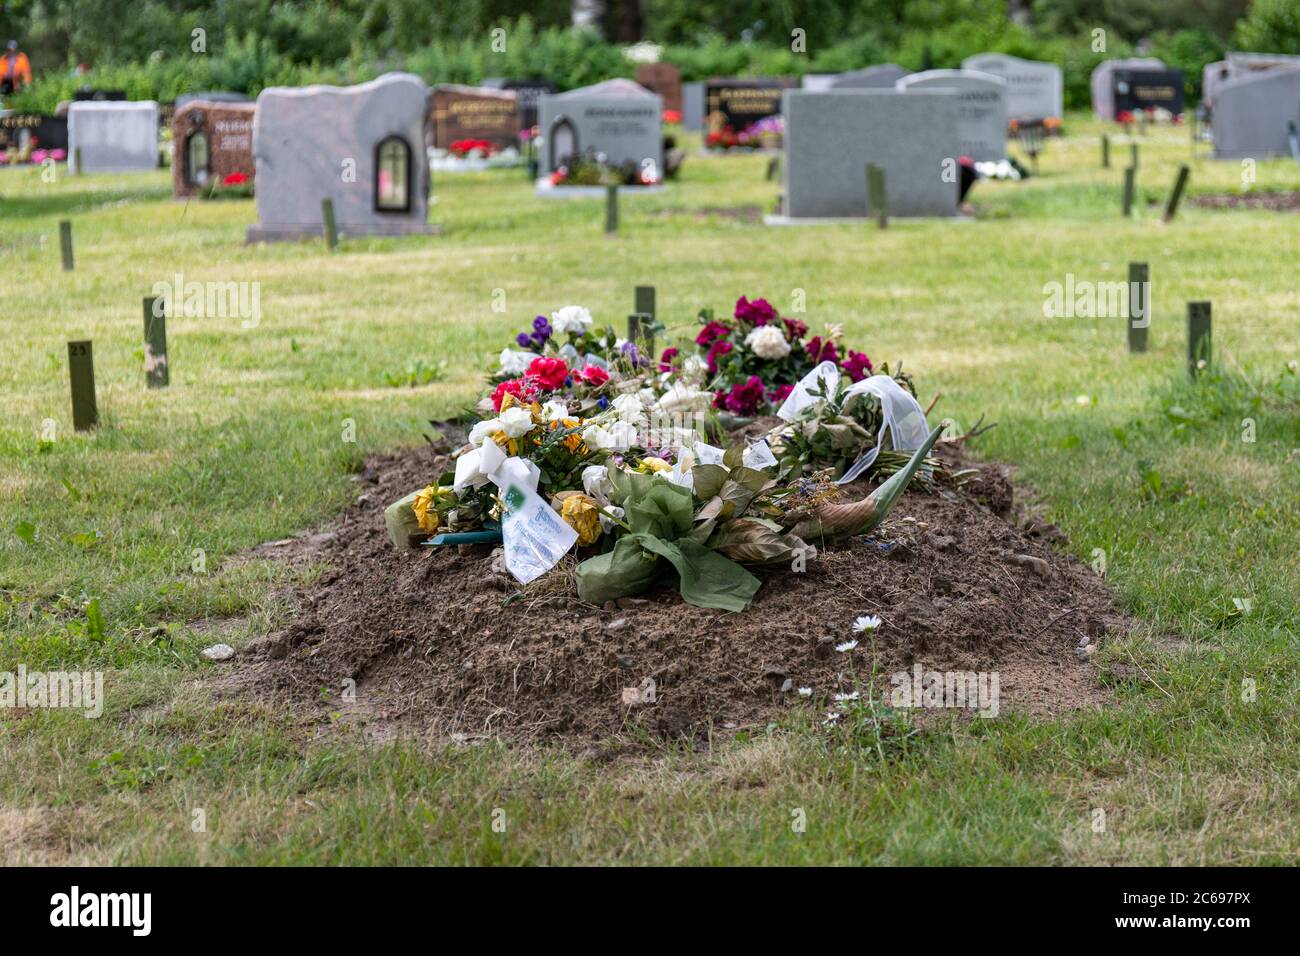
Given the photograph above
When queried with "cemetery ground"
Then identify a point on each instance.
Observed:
(1192, 760)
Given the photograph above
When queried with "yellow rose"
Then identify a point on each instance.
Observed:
(581, 514)
(425, 512)
(656, 464)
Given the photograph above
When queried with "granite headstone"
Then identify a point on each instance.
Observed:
(473, 112)
(618, 119)
(361, 147)
(733, 105)
(210, 142)
(20, 130)
(1253, 113)
(1102, 82)
(1146, 89)
(831, 136)
(664, 79)
(529, 93)
(693, 107)
(883, 76)
(1035, 90)
(982, 122)
(113, 136)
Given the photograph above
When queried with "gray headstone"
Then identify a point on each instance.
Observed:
(1102, 82)
(113, 136)
(1035, 90)
(831, 136)
(1213, 76)
(982, 123)
(880, 77)
(617, 118)
(1251, 114)
(693, 107)
(1242, 64)
(322, 142)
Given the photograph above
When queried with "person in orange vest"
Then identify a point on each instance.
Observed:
(15, 70)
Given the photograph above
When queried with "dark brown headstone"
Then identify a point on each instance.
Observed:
(228, 128)
(664, 79)
(475, 112)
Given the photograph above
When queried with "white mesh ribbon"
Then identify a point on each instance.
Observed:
(802, 395)
(902, 417)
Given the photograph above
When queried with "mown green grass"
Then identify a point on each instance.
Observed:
(247, 446)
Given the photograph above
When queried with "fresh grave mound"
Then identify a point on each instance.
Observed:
(1277, 202)
(444, 639)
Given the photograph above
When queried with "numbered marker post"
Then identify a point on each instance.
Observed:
(328, 224)
(155, 343)
(1105, 151)
(1198, 336)
(1175, 197)
(81, 372)
(65, 243)
(1139, 306)
(877, 199)
(1130, 178)
(773, 167)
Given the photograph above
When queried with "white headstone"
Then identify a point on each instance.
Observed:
(1035, 90)
(982, 123)
(113, 136)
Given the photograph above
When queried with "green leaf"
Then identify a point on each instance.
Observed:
(709, 480)
(26, 531)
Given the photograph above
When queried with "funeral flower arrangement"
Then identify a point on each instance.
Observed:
(583, 442)
(766, 133)
(595, 169)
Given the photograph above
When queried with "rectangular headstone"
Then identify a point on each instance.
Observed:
(618, 119)
(362, 147)
(882, 76)
(664, 79)
(1252, 114)
(982, 118)
(21, 131)
(472, 112)
(733, 106)
(211, 142)
(529, 93)
(1035, 90)
(1102, 82)
(113, 137)
(832, 135)
(693, 107)
(1145, 89)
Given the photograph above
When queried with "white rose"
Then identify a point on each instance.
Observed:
(629, 408)
(514, 362)
(595, 482)
(571, 318)
(597, 438)
(623, 434)
(483, 429)
(516, 421)
(680, 399)
(768, 342)
(554, 410)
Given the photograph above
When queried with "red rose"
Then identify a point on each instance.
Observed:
(712, 331)
(594, 376)
(717, 349)
(520, 388)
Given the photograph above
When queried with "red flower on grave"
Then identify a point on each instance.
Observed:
(550, 373)
(593, 375)
(520, 388)
(235, 179)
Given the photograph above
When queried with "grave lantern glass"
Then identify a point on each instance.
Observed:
(393, 175)
(196, 159)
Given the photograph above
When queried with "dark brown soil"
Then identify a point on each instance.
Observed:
(1277, 202)
(442, 641)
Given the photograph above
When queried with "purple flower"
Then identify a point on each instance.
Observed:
(524, 339)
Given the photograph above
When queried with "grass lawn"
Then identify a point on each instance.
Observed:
(100, 533)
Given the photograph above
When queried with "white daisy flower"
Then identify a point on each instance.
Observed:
(868, 622)
(846, 646)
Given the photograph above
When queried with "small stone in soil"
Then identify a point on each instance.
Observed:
(219, 652)
(617, 624)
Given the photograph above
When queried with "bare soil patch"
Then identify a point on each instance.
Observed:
(444, 641)
(1277, 202)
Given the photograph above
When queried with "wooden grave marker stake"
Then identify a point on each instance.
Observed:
(1105, 151)
(1139, 306)
(328, 224)
(877, 198)
(611, 210)
(81, 373)
(1198, 336)
(155, 343)
(65, 243)
(1130, 175)
(1175, 197)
